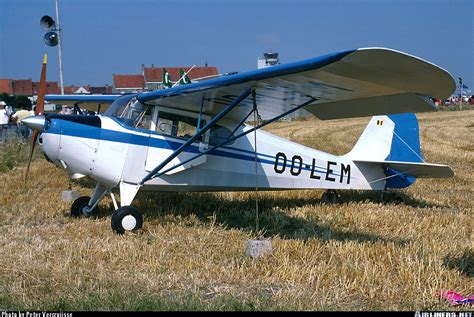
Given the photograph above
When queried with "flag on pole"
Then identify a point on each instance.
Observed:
(166, 79)
(183, 77)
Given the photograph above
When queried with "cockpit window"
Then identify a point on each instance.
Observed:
(130, 112)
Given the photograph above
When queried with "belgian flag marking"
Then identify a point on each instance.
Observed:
(379, 122)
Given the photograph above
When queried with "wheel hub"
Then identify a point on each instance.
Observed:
(129, 222)
(86, 210)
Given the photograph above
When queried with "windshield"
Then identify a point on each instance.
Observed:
(117, 107)
(128, 110)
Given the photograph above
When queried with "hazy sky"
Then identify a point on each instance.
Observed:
(102, 37)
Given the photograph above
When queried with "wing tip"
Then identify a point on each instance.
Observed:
(445, 81)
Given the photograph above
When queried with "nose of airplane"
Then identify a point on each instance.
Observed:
(34, 122)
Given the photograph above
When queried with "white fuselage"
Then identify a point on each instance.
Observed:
(114, 153)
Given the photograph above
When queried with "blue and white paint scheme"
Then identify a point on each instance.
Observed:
(194, 137)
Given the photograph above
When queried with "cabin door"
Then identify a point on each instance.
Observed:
(173, 127)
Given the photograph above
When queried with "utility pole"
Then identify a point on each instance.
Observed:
(61, 81)
(460, 91)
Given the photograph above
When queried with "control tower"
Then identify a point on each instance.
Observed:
(269, 59)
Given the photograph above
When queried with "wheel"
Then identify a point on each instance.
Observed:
(329, 197)
(78, 207)
(397, 200)
(126, 218)
(392, 198)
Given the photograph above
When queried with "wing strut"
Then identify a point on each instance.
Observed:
(198, 133)
(311, 100)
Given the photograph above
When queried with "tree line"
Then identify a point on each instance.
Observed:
(17, 102)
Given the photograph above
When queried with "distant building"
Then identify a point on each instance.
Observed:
(22, 87)
(73, 90)
(154, 75)
(26, 87)
(98, 90)
(52, 87)
(5, 86)
(87, 89)
(128, 83)
(269, 59)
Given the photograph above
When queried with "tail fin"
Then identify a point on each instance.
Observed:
(392, 143)
(389, 138)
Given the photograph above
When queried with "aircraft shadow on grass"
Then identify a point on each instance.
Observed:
(274, 219)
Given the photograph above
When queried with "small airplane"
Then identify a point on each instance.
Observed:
(194, 137)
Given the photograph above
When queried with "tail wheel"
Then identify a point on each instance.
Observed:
(126, 218)
(79, 205)
(330, 197)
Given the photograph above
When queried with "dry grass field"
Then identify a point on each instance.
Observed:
(363, 253)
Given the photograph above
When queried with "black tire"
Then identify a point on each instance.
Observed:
(397, 200)
(126, 218)
(329, 197)
(79, 204)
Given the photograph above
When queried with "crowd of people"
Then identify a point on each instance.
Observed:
(10, 121)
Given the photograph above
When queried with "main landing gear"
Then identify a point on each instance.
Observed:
(125, 218)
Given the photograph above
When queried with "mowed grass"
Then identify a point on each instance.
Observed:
(363, 253)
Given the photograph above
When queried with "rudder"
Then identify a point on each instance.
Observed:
(390, 138)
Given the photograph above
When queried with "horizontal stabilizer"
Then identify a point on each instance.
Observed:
(418, 170)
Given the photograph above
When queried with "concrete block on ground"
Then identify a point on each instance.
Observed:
(257, 248)
(68, 195)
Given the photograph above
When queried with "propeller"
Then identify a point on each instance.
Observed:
(39, 109)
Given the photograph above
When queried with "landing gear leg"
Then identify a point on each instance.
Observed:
(127, 218)
(330, 196)
(88, 206)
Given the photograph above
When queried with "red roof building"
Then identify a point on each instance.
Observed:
(51, 88)
(100, 89)
(5, 86)
(22, 87)
(128, 83)
(70, 90)
(155, 74)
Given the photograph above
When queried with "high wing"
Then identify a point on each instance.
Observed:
(89, 102)
(353, 83)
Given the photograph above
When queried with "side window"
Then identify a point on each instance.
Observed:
(164, 126)
(186, 130)
(177, 125)
(220, 134)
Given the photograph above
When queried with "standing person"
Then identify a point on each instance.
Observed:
(4, 118)
(18, 117)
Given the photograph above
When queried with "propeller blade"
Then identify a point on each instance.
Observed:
(39, 110)
(32, 148)
(42, 89)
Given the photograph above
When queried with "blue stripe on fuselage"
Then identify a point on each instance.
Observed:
(85, 131)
